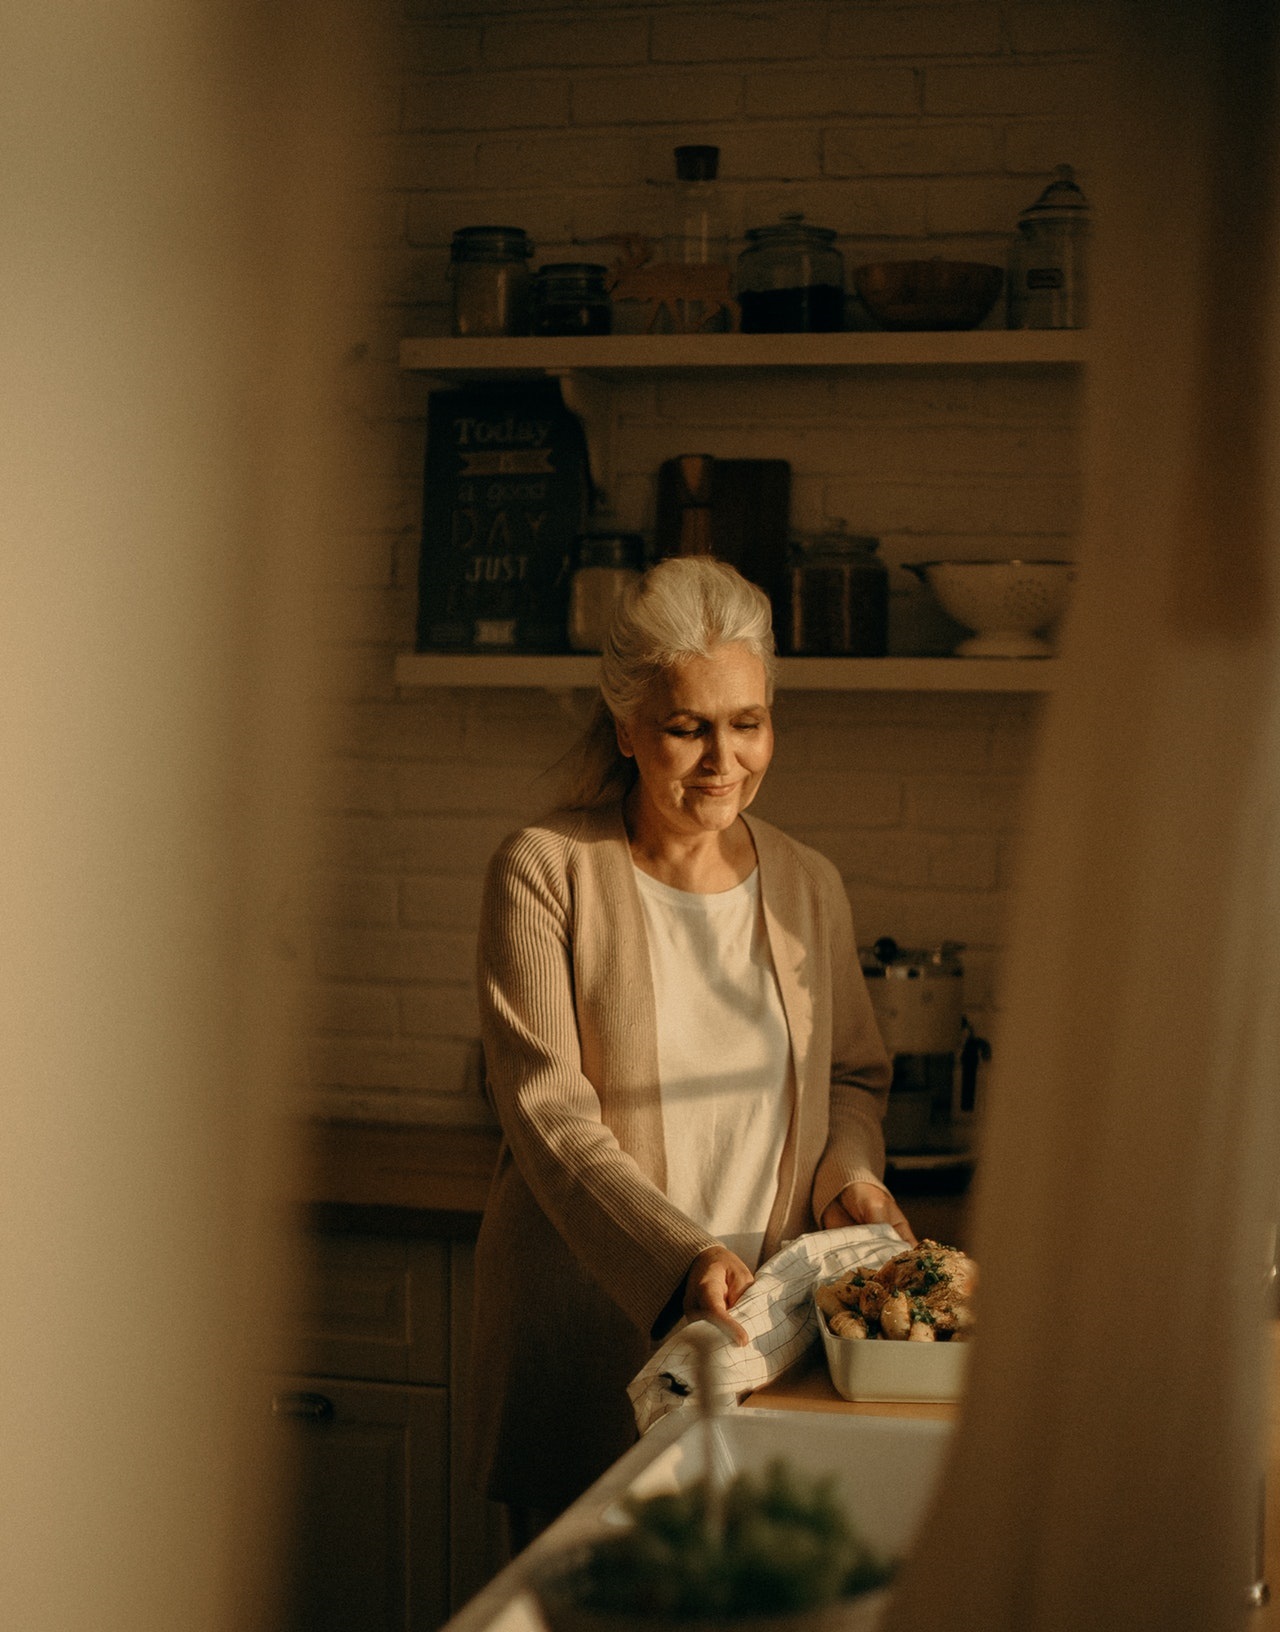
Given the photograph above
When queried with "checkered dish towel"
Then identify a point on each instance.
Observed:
(777, 1313)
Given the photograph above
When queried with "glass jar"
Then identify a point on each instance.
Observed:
(606, 563)
(1048, 287)
(839, 600)
(489, 271)
(698, 236)
(571, 297)
(791, 279)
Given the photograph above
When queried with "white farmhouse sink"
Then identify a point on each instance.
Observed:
(884, 1470)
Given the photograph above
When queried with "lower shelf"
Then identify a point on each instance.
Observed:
(568, 673)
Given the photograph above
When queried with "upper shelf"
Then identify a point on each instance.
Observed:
(571, 672)
(613, 354)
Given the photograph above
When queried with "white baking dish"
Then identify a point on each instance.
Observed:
(871, 1368)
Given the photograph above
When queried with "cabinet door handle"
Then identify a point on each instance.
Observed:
(303, 1406)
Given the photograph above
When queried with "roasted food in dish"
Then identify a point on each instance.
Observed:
(922, 1295)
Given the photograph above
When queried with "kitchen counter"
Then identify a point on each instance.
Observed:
(808, 1387)
(416, 1179)
(413, 1177)
(504, 1607)
(407, 1178)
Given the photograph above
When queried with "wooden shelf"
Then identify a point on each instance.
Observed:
(570, 673)
(617, 354)
(590, 367)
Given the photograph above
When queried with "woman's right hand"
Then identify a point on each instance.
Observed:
(717, 1278)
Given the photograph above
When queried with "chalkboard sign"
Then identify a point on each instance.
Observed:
(505, 493)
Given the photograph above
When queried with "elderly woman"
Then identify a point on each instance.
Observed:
(678, 1042)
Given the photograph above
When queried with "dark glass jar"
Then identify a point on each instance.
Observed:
(791, 279)
(489, 271)
(571, 297)
(839, 596)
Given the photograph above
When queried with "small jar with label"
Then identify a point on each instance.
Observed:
(791, 279)
(839, 596)
(571, 297)
(489, 271)
(1048, 283)
(607, 562)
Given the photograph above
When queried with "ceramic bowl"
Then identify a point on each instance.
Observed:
(935, 294)
(1005, 603)
(871, 1369)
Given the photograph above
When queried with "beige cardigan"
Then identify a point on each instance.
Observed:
(580, 1253)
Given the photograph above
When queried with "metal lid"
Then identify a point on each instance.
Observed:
(574, 275)
(491, 244)
(610, 549)
(835, 539)
(1061, 200)
(791, 229)
(697, 163)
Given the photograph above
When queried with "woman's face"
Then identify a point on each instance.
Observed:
(702, 740)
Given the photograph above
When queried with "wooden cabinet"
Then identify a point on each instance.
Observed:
(385, 1534)
(369, 1544)
(376, 1307)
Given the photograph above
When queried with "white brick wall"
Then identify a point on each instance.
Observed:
(913, 128)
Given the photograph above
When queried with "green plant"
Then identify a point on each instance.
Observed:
(762, 1546)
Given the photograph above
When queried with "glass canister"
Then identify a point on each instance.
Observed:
(607, 561)
(698, 238)
(791, 279)
(489, 271)
(571, 297)
(1048, 286)
(839, 595)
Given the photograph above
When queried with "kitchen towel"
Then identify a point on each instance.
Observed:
(776, 1312)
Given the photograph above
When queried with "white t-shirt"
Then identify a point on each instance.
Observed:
(724, 1057)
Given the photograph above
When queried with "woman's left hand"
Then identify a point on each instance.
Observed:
(863, 1203)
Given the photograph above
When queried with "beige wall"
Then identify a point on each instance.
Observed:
(912, 129)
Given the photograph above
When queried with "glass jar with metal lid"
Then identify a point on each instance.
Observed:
(489, 271)
(1048, 284)
(791, 279)
(571, 297)
(608, 560)
(839, 601)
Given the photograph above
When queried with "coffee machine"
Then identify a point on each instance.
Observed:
(918, 998)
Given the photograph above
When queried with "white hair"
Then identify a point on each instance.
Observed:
(685, 606)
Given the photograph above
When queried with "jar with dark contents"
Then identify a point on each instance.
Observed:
(571, 297)
(489, 271)
(839, 603)
(791, 279)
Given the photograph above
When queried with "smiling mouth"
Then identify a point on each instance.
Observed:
(717, 789)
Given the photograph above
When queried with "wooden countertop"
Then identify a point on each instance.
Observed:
(808, 1387)
(440, 1174)
(435, 1168)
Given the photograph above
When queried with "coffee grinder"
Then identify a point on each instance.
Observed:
(918, 998)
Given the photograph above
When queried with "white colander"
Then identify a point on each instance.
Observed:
(1007, 604)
